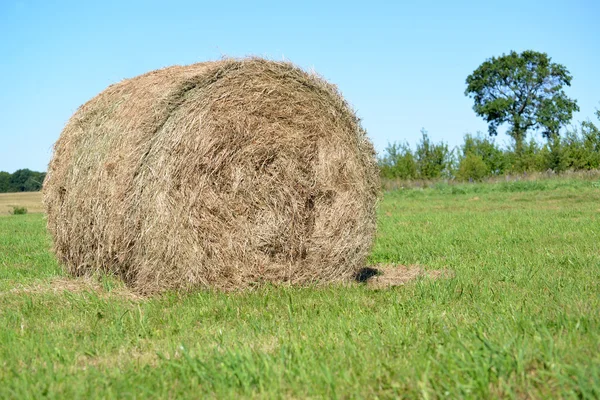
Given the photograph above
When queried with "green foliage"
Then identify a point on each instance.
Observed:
(472, 168)
(4, 182)
(553, 155)
(526, 159)
(580, 148)
(524, 91)
(429, 161)
(398, 162)
(433, 159)
(589, 157)
(489, 152)
(23, 180)
(19, 210)
(480, 157)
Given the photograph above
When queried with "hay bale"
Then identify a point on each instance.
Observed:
(218, 174)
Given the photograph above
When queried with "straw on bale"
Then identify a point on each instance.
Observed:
(219, 174)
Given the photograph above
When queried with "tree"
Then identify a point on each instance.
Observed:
(398, 162)
(432, 159)
(18, 180)
(523, 90)
(472, 167)
(487, 150)
(584, 149)
(4, 182)
(25, 180)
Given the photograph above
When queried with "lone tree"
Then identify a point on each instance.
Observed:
(523, 90)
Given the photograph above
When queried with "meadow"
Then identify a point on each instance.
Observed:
(518, 317)
(30, 200)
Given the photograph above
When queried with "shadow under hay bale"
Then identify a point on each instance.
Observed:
(385, 276)
(364, 274)
(218, 174)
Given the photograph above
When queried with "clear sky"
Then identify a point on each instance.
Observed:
(401, 64)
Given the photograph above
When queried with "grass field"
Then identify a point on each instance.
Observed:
(520, 318)
(30, 200)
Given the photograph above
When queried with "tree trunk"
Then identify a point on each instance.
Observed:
(519, 145)
(519, 137)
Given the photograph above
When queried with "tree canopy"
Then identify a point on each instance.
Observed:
(524, 91)
(23, 180)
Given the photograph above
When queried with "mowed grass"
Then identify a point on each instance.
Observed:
(30, 200)
(520, 318)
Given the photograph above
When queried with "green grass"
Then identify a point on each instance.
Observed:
(519, 319)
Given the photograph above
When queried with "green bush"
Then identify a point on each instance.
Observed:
(553, 155)
(398, 162)
(472, 168)
(530, 159)
(485, 147)
(583, 148)
(434, 160)
(578, 149)
(19, 210)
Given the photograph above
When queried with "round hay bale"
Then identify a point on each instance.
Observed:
(218, 174)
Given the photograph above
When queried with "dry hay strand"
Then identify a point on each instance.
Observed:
(389, 275)
(220, 174)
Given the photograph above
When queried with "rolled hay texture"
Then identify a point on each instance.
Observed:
(219, 174)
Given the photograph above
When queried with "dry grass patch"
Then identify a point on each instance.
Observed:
(390, 275)
(30, 200)
(381, 277)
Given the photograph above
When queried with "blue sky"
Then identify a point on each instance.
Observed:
(402, 64)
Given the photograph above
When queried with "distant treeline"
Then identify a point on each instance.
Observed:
(481, 157)
(524, 92)
(23, 180)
